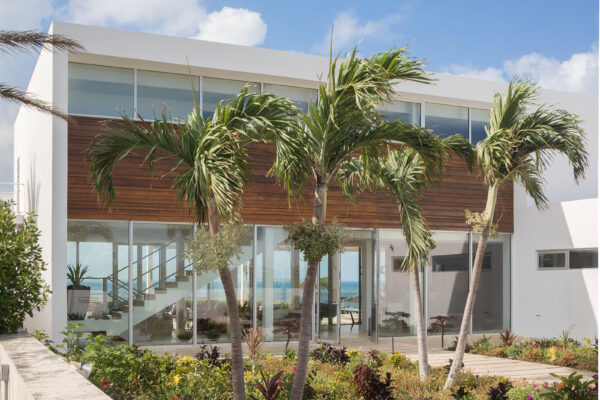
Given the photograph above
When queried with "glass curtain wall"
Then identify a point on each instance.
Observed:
(404, 111)
(100, 301)
(280, 272)
(448, 278)
(395, 300)
(97, 90)
(447, 120)
(212, 315)
(162, 284)
(214, 90)
(479, 120)
(156, 90)
(300, 96)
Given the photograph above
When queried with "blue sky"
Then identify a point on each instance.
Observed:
(554, 42)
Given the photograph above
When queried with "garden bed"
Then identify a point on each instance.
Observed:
(563, 351)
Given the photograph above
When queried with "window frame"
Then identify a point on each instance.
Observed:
(567, 253)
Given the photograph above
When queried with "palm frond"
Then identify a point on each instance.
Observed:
(15, 95)
(12, 41)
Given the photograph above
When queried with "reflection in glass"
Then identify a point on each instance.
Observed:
(213, 318)
(214, 90)
(156, 90)
(479, 120)
(448, 278)
(300, 96)
(447, 120)
(280, 273)
(96, 90)
(162, 284)
(492, 305)
(404, 111)
(100, 302)
(396, 303)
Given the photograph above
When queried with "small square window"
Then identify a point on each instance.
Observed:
(583, 259)
(551, 260)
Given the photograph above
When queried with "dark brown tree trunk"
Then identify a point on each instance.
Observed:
(305, 336)
(235, 332)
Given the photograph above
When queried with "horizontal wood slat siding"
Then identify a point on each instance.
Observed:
(139, 196)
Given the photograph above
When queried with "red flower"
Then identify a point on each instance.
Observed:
(174, 397)
(105, 383)
(294, 368)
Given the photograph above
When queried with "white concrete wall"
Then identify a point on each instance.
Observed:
(41, 146)
(547, 302)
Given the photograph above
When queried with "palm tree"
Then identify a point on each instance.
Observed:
(342, 122)
(209, 170)
(403, 174)
(30, 40)
(518, 148)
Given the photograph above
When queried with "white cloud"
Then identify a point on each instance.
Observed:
(348, 30)
(177, 17)
(579, 73)
(24, 14)
(234, 25)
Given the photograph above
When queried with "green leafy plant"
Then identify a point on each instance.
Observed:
(71, 343)
(565, 338)
(210, 354)
(77, 273)
(43, 337)
(316, 240)
(270, 387)
(572, 387)
(484, 344)
(21, 265)
(327, 353)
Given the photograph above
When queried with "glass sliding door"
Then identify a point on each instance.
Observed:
(448, 278)
(492, 305)
(100, 301)
(396, 302)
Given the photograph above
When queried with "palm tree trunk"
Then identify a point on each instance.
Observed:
(459, 353)
(307, 302)
(421, 338)
(235, 331)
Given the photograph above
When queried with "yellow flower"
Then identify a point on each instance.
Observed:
(552, 353)
(184, 360)
(176, 379)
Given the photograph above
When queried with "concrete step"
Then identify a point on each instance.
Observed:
(189, 272)
(138, 302)
(171, 285)
(150, 296)
(182, 279)
(160, 291)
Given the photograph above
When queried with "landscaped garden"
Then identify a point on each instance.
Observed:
(564, 350)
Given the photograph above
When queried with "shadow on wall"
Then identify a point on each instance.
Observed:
(33, 190)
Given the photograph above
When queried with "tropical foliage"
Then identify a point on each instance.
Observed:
(519, 146)
(14, 41)
(23, 289)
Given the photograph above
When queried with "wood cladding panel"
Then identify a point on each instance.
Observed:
(140, 196)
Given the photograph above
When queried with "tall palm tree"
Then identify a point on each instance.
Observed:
(518, 148)
(342, 122)
(209, 170)
(404, 175)
(12, 41)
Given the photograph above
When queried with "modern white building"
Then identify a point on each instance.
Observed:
(540, 276)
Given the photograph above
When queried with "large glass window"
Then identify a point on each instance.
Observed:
(583, 259)
(213, 318)
(492, 307)
(396, 302)
(100, 299)
(280, 272)
(214, 90)
(162, 284)
(479, 120)
(97, 90)
(447, 120)
(156, 90)
(301, 96)
(404, 111)
(448, 278)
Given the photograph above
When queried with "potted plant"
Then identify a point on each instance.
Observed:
(78, 295)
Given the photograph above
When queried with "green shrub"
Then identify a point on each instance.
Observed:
(21, 265)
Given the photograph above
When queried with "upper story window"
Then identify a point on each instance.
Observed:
(298, 95)
(98, 90)
(568, 259)
(214, 90)
(447, 120)
(480, 118)
(404, 111)
(156, 90)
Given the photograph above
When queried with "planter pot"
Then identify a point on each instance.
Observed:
(78, 301)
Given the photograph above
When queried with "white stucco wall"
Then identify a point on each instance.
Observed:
(41, 146)
(546, 302)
